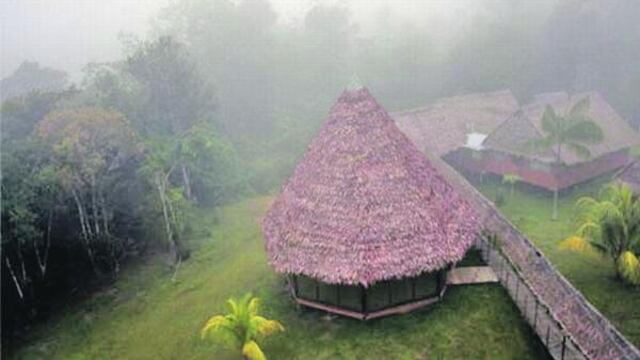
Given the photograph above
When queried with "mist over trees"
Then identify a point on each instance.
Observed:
(223, 98)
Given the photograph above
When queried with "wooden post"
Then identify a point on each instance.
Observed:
(295, 285)
(535, 316)
(413, 288)
(546, 342)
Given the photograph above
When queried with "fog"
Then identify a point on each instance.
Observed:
(68, 34)
(135, 130)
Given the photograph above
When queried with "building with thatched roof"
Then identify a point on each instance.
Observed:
(489, 133)
(366, 226)
(445, 126)
(509, 150)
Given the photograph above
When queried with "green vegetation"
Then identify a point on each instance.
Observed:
(610, 226)
(511, 179)
(573, 130)
(593, 275)
(144, 316)
(242, 327)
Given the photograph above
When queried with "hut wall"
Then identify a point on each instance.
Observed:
(379, 296)
(535, 172)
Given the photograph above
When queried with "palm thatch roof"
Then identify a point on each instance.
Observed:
(618, 134)
(364, 205)
(443, 126)
(515, 136)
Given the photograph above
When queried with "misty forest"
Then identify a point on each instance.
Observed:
(253, 179)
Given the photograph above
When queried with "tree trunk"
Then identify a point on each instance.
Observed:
(15, 279)
(94, 206)
(161, 187)
(187, 184)
(42, 261)
(85, 228)
(554, 214)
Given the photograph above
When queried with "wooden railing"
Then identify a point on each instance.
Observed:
(568, 325)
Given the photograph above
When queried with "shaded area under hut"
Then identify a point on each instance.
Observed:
(366, 227)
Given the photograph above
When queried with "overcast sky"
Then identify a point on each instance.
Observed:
(66, 34)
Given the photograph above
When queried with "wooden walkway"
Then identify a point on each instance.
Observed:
(568, 325)
(471, 275)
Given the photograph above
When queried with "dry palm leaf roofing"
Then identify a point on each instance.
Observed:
(364, 205)
(618, 134)
(443, 126)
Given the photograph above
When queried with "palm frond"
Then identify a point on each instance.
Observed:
(580, 150)
(223, 328)
(577, 244)
(266, 327)
(584, 130)
(251, 350)
(550, 121)
(580, 107)
(629, 267)
(254, 306)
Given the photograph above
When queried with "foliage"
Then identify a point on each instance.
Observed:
(242, 328)
(172, 95)
(591, 275)
(610, 225)
(230, 260)
(573, 130)
(511, 179)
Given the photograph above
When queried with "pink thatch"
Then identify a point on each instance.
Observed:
(364, 205)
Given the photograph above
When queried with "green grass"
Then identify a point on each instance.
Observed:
(146, 316)
(594, 276)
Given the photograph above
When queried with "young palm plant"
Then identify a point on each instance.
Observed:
(573, 130)
(511, 179)
(242, 327)
(610, 225)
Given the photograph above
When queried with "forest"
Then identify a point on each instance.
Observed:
(218, 103)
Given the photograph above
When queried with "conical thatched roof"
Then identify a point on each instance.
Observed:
(364, 205)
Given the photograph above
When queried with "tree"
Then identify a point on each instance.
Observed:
(610, 225)
(162, 157)
(172, 95)
(90, 148)
(573, 130)
(242, 328)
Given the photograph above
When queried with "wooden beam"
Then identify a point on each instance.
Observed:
(331, 309)
(363, 298)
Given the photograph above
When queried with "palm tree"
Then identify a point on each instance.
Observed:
(610, 226)
(242, 327)
(573, 130)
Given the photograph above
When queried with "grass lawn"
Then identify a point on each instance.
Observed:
(594, 276)
(146, 316)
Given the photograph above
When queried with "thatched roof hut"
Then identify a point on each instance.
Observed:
(364, 206)
(443, 126)
(618, 134)
(515, 135)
